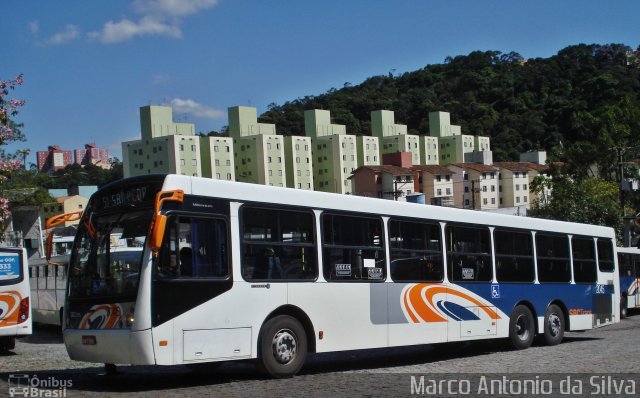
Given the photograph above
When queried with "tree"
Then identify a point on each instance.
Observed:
(9, 131)
(591, 200)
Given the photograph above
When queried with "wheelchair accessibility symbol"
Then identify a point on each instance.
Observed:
(495, 291)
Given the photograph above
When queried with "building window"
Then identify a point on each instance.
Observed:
(181, 147)
(228, 162)
(484, 201)
(215, 148)
(269, 159)
(193, 148)
(218, 162)
(194, 162)
(182, 162)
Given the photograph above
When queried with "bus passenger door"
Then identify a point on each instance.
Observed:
(191, 273)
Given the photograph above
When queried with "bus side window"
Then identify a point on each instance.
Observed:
(195, 248)
(552, 251)
(277, 244)
(353, 248)
(469, 256)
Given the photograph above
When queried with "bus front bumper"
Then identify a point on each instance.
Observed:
(121, 346)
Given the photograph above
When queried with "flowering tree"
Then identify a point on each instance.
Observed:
(9, 131)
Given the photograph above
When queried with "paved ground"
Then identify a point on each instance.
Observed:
(599, 360)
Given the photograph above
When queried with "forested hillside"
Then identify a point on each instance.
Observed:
(577, 105)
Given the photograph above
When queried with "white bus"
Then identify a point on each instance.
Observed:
(235, 271)
(15, 312)
(629, 263)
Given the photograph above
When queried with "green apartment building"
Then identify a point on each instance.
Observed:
(298, 162)
(258, 151)
(165, 147)
(334, 152)
(393, 137)
(453, 144)
(168, 147)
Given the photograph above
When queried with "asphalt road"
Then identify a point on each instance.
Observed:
(601, 362)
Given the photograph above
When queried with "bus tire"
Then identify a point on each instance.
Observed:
(554, 325)
(623, 307)
(521, 328)
(282, 347)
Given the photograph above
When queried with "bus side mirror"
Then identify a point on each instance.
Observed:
(157, 232)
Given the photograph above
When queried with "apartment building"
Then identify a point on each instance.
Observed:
(436, 183)
(334, 153)
(475, 186)
(386, 182)
(514, 184)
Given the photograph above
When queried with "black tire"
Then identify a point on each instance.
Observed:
(554, 325)
(282, 347)
(521, 328)
(623, 307)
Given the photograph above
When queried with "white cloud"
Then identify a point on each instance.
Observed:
(115, 32)
(159, 18)
(69, 33)
(191, 107)
(172, 8)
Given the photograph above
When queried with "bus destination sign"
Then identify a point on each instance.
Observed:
(125, 197)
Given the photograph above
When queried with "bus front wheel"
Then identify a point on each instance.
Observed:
(521, 328)
(282, 347)
(554, 326)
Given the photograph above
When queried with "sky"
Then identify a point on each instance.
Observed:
(90, 65)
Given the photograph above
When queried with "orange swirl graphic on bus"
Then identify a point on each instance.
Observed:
(423, 303)
(102, 316)
(9, 304)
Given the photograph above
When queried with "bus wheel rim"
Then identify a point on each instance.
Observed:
(284, 346)
(554, 324)
(522, 325)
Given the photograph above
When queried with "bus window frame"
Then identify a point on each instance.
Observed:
(21, 277)
(424, 221)
(490, 254)
(265, 206)
(533, 253)
(595, 259)
(172, 217)
(383, 247)
(564, 235)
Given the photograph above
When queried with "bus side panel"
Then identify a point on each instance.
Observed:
(224, 328)
(576, 298)
(342, 311)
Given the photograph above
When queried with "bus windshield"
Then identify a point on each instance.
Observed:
(107, 255)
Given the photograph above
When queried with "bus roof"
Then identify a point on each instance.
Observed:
(331, 201)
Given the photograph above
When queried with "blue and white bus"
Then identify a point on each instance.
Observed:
(232, 271)
(629, 265)
(15, 311)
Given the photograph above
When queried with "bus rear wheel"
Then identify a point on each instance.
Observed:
(521, 328)
(623, 307)
(282, 348)
(554, 326)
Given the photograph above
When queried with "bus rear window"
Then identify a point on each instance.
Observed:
(10, 268)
